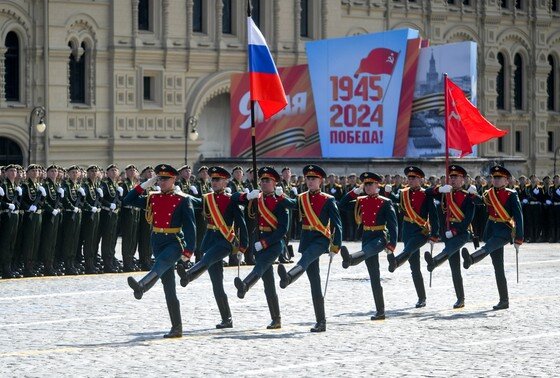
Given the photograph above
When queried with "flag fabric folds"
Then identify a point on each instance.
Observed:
(379, 61)
(465, 126)
(265, 85)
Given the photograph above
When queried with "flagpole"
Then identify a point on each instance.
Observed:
(446, 124)
(253, 129)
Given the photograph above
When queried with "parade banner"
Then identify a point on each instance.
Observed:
(426, 137)
(357, 83)
(290, 133)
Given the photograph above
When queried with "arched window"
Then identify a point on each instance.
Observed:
(10, 152)
(500, 83)
(12, 66)
(77, 65)
(551, 85)
(518, 77)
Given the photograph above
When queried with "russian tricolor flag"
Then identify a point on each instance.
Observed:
(265, 85)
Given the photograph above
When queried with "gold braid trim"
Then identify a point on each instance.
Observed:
(357, 214)
(149, 215)
(251, 213)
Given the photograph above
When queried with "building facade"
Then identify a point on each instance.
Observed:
(139, 80)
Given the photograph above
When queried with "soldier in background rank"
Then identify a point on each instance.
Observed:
(185, 182)
(319, 213)
(144, 227)
(236, 186)
(110, 207)
(130, 218)
(273, 226)
(504, 220)
(457, 205)
(417, 228)
(173, 234)
(250, 219)
(203, 187)
(555, 198)
(10, 197)
(51, 219)
(224, 217)
(377, 215)
(74, 197)
(90, 217)
(32, 201)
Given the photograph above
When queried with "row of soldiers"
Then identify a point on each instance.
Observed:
(172, 214)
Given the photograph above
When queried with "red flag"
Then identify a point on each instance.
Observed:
(465, 126)
(379, 61)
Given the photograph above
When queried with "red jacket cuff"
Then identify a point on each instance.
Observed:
(139, 189)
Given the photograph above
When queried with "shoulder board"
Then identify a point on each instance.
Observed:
(384, 198)
(326, 195)
(182, 194)
(510, 190)
(464, 191)
(152, 192)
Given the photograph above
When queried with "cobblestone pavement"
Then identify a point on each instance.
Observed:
(92, 326)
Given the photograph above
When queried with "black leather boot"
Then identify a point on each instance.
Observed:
(142, 286)
(319, 306)
(191, 274)
(176, 330)
(459, 291)
(354, 259)
(274, 309)
(345, 257)
(399, 260)
(502, 305)
(244, 286)
(474, 258)
(287, 278)
(421, 291)
(225, 313)
(435, 261)
(379, 303)
(460, 303)
(7, 272)
(392, 261)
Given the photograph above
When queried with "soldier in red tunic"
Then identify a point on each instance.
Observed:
(173, 235)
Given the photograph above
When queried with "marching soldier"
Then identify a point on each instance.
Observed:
(144, 227)
(202, 185)
(51, 219)
(319, 213)
(224, 216)
(90, 219)
(273, 226)
(417, 207)
(74, 197)
(32, 202)
(457, 204)
(377, 215)
(10, 197)
(504, 221)
(130, 220)
(110, 207)
(172, 217)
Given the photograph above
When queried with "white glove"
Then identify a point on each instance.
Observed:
(100, 192)
(11, 206)
(294, 190)
(113, 206)
(258, 246)
(431, 242)
(61, 192)
(472, 190)
(43, 191)
(516, 246)
(253, 194)
(449, 234)
(177, 189)
(536, 190)
(436, 202)
(18, 190)
(445, 188)
(193, 190)
(32, 208)
(120, 190)
(548, 202)
(55, 212)
(82, 192)
(94, 209)
(210, 190)
(148, 183)
(278, 191)
(2, 192)
(246, 190)
(76, 209)
(558, 191)
(157, 188)
(332, 254)
(240, 256)
(185, 258)
(388, 188)
(227, 190)
(359, 190)
(333, 190)
(525, 201)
